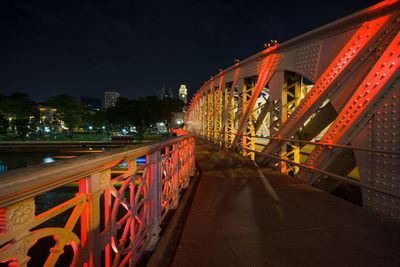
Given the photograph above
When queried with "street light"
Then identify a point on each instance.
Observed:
(90, 128)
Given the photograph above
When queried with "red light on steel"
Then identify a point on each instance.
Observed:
(369, 88)
(342, 60)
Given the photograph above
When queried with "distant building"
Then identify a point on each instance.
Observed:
(166, 92)
(93, 103)
(110, 98)
(183, 93)
(48, 121)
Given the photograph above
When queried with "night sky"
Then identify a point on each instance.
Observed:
(84, 48)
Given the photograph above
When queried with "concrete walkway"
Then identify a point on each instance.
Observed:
(245, 216)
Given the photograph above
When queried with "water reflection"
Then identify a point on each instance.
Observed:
(15, 160)
(3, 167)
(48, 160)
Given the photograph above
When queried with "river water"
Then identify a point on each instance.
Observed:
(15, 160)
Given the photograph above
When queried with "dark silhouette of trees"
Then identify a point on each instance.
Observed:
(3, 124)
(142, 112)
(69, 110)
(169, 105)
(22, 111)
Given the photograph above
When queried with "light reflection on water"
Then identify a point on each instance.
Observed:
(16, 160)
(48, 160)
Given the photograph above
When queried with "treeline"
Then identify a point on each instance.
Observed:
(20, 115)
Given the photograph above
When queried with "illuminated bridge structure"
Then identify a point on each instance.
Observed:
(323, 107)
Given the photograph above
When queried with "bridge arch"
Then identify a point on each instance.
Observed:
(347, 111)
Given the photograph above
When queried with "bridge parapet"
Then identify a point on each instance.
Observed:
(94, 210)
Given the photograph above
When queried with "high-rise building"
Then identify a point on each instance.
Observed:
(166, 92)
(183, 93)
(110, 98)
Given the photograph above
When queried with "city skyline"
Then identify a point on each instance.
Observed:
(53, 48)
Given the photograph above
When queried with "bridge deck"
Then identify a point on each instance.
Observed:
(247, 216)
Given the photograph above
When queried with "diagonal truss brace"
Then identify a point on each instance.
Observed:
(366, 94)
(266, 73)
(317, 94)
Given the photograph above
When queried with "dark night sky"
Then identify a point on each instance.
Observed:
(136, 47)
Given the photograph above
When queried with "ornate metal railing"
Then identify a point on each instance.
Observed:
(95, 210)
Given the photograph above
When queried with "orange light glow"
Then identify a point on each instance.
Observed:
(64, 157)
(83, 151)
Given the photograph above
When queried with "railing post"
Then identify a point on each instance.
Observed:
(176, 171)
(16, 220)
(186, 162)
(192, 162)
(154, 195)
(96, 184)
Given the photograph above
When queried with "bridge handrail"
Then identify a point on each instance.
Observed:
(17, 185)
(115, 214)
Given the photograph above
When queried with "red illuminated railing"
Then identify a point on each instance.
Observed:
(95, 210)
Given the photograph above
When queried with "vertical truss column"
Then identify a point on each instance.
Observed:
(204, 114)
(197, 116)
(218, 115)
(210, 112)
(291, 96)
(275, 117)
(262, 115)
(230, 118)
(249, 131)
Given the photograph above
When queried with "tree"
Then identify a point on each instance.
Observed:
(96, 118)
(169, 105)
(3, 124)
(69, 110)
(145, 113)
(118, 116)
(21, 109)
(142, 112)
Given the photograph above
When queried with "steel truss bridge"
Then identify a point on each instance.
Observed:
(323, 107)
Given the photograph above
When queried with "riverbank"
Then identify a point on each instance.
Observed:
(59, 146)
